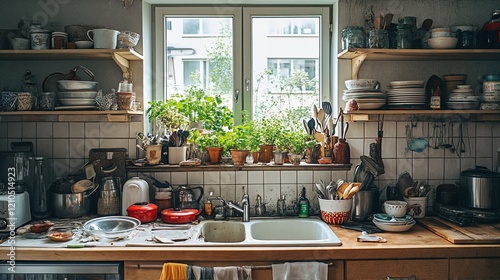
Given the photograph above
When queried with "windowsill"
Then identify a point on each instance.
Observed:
(229, 167)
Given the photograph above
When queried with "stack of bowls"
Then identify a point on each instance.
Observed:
(491, 92)
(76, 93)
(463, 98)
(395, 218)
(393, 224)
(442, 38)
(454, 80)
(366, 93)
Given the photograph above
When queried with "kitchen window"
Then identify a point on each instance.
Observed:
(263, 60)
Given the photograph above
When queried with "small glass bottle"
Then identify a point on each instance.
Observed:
(405, 36)
(208, 206)
(378, 38)
(303, 204)
(281, 206)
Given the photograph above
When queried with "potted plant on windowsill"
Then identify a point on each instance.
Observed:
(270, 131)
(297, 143)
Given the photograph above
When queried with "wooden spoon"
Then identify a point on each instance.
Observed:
(320, 137)
(387, 21)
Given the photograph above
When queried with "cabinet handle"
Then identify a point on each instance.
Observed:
(413, 277)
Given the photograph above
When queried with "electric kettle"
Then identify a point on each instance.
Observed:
(184, 197)
(135, 190)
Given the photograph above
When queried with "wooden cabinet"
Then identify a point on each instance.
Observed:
(483, 268)
(422, 269)
(260, 271)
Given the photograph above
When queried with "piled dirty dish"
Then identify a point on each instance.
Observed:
(389, 223)
(463, 98)
(366, 99)
(406, 95)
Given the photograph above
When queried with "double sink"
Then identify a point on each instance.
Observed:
(266, 232)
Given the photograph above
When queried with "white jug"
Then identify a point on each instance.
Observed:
(134, 190)
(104, 38)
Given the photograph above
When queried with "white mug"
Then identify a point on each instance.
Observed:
(103, 38)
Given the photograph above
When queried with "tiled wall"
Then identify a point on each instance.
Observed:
(67, 144)
(434, 166)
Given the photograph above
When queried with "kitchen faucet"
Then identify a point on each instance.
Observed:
(245, 206)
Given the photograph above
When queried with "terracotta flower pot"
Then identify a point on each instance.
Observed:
(215, 154)
(295, 159)
(239, 156)
(266, 153)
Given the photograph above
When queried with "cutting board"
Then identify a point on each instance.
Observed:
(476, 234)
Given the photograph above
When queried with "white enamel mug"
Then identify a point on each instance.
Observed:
(103, 38)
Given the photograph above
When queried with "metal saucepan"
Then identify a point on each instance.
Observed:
(71, 205)
(479, 188)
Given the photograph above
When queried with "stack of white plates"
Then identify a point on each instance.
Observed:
(388, 223)
(406, 95)
(463, 98)
(366, 99)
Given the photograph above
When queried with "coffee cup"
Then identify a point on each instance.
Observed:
(103, 38)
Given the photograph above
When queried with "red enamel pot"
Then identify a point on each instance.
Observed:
(143, 211)
(182, 216)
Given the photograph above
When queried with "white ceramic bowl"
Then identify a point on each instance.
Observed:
(395, 208)
(84, 44)
(335, 212)
(393, 227)
(437, 34)
(128, 39)
(362, 84)
(442, 43)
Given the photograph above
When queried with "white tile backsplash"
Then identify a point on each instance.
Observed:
(195, 178)
(76, 130)
(288, 177)
(44, 130)
(61, 129)
(29, 129)
(272, 177)
(211, 177)
(256, 177)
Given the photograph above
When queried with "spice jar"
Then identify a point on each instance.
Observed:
(39, 37)
(125, 100)
(163, 198)
(353, 37)
(342, 152)
(378, 38)
(59, 40)
(404, 36)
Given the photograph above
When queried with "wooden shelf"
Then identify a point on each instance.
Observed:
(358, 56)
(66, 54)
(120, 56)
(75, 116)
(229, 167)
(478, 115)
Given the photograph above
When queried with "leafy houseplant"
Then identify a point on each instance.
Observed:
(270, 131)
(164, 116)
(296, 144)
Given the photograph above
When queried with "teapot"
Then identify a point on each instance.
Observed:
(185, 197)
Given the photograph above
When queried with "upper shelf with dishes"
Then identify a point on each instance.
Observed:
(358, 56)
(120, 56)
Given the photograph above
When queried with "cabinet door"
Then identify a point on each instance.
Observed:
(382, 269)
(483, 269)
(152, 270)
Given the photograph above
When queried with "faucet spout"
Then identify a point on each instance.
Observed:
(245, 206)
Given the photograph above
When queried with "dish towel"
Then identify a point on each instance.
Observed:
(174, 271)
(300, 271)
(219, 273)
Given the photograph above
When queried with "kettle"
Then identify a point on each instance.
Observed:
(184, 197)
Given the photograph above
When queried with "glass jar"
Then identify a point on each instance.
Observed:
(378, 38)
(411, 22)
(404, 37)
(353, 37)
(59, 40)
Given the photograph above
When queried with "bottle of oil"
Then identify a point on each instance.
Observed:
(303, 204)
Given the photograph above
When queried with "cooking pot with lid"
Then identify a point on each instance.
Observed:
(143, 211)
(480, 188)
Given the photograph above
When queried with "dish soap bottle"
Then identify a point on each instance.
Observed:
(303, 204)
(208, 206)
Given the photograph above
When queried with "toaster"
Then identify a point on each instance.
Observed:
(14, 211)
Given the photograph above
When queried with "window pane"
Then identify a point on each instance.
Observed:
(201, 61)
(285, 68)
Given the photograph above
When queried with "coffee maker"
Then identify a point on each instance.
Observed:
(15, 178)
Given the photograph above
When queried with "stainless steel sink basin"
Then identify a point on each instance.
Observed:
(223, 231)
(266, 232)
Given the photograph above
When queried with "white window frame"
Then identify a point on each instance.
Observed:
(242, 37)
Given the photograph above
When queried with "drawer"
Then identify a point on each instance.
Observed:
(484, 269)
(381, 269)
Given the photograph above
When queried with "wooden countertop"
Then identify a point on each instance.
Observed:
(418, 242)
